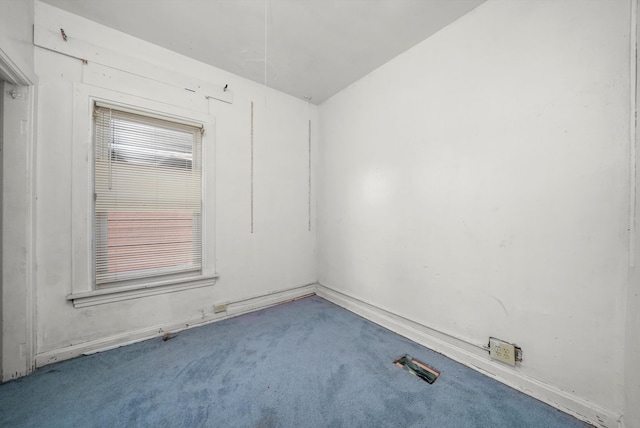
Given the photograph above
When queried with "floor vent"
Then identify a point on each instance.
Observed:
(417, 368)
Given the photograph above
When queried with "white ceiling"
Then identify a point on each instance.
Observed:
(313, 47)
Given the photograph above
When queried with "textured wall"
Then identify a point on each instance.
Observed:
(479, 184)
(278, 255)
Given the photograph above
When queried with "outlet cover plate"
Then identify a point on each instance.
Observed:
(502, 351)
(219, 308)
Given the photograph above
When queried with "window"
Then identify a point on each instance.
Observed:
(147, 197)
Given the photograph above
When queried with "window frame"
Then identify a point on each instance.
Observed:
(83, 290)
(144, 275)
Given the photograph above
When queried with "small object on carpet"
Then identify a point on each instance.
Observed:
(417, 368)
(168, 335)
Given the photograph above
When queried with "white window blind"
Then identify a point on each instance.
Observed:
(147, 209)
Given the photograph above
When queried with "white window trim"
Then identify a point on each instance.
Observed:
(83, 291)
(116, 294)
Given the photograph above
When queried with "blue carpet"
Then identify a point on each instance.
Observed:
(306, 363)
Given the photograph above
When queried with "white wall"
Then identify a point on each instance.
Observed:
(280, 253)
(16, 36)
(17, 165)
(478, 185)
(18, 98)
(632, 346)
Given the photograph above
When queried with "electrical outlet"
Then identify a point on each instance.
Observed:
(503, 351)
(220, 308)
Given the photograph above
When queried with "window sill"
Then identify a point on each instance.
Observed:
(110, 295)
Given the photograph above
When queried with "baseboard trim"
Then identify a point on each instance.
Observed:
(234, 308)
(474, 358)
(456, 349)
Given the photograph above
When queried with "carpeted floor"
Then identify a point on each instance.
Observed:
(306, 363)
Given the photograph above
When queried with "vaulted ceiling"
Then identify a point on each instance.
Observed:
(306, 48)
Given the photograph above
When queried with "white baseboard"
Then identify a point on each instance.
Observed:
(474, 358)
(234, 308)
(456, 349)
